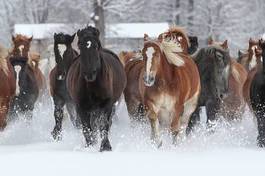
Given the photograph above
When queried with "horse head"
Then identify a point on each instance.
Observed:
(219, 63)
(19, 64)
(21, 45)
(90, 46)
(254, 53)
(61, 42)
(151, 56)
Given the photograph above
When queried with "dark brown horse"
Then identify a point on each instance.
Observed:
(95, 82)
(59, 92)
(234, 103)
(30, 82)
(171, 85)
(7, 86)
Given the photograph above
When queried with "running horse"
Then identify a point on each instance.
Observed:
(95, 82)
(7, 86)
(214, 64)
(233, 104)
(64, 57)
(255, 94)
(30, 82)
(171, 83)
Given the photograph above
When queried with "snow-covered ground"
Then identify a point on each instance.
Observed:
(28, 149)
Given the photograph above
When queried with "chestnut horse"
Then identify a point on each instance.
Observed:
(171, 85)
(7, 86)
(233, 104)
(30, 82)
(64, 59)
(95, 82)
(254, 90)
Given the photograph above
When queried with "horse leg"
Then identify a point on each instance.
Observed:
(87, 130)
(260, 115)
(212, 108)
(3, 114)
(58, 115)
(104, 130)
(155, 131)
(73, 115)
(194, 120)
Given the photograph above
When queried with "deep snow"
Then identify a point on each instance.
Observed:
(28, 149)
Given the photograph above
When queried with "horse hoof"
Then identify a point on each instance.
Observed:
(261, 142)
(105, 146)
(56, 136)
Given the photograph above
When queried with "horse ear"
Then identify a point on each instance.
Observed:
(13, 38)
(210, 40)
(30, 39)
(146, 37)
(78, 32)
(97, 32)
(72, 37)
(240, 53)
(225, 44)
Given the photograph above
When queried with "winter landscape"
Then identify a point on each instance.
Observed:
(228, 147)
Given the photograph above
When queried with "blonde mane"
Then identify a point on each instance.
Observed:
(174, 41)
(3, 61)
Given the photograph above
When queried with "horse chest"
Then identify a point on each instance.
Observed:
(164, 102)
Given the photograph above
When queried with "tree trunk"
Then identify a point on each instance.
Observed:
(99, 19)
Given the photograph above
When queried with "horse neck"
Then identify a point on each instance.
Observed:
(165, 72)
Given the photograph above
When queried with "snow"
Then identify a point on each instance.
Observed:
(26, 148)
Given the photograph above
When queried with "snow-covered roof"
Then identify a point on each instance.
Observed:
(119, 30)
(135, 30)
(39, 31)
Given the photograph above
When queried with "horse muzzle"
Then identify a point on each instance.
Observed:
(149, 80)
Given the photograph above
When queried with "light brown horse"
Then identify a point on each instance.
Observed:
(7, 86)
(171, 83)
(233, 104)
(134, 69)
(21, 48)
(252, 59)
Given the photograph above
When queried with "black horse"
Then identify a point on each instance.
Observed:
(27, 88)
(193, 44)
(214, 67)
(64, 57)
(95, 81)
(257, 94)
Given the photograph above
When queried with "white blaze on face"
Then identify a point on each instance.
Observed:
(62, 49)
(17, 69)
(253, 61)
(88, 44)
(149, 53)
(21, 47)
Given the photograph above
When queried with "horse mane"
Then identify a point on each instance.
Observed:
(33, 59)
(170, 47)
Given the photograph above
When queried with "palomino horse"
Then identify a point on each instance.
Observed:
(214, 66)
(234, 103)
(171, 83)
(64, 59)
(7, 86)
(30, 82)
(95, 82)
(255, 94)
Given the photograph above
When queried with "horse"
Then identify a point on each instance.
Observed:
(171, 83)
(64, 58)
(255, 91)
(247, 59)
(214, 64)
(193, 44)
(7, 86)
(233, 104)
(30, 82)
(95, 82)
(134, 69)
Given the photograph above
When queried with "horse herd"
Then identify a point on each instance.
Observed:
(167, 82)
